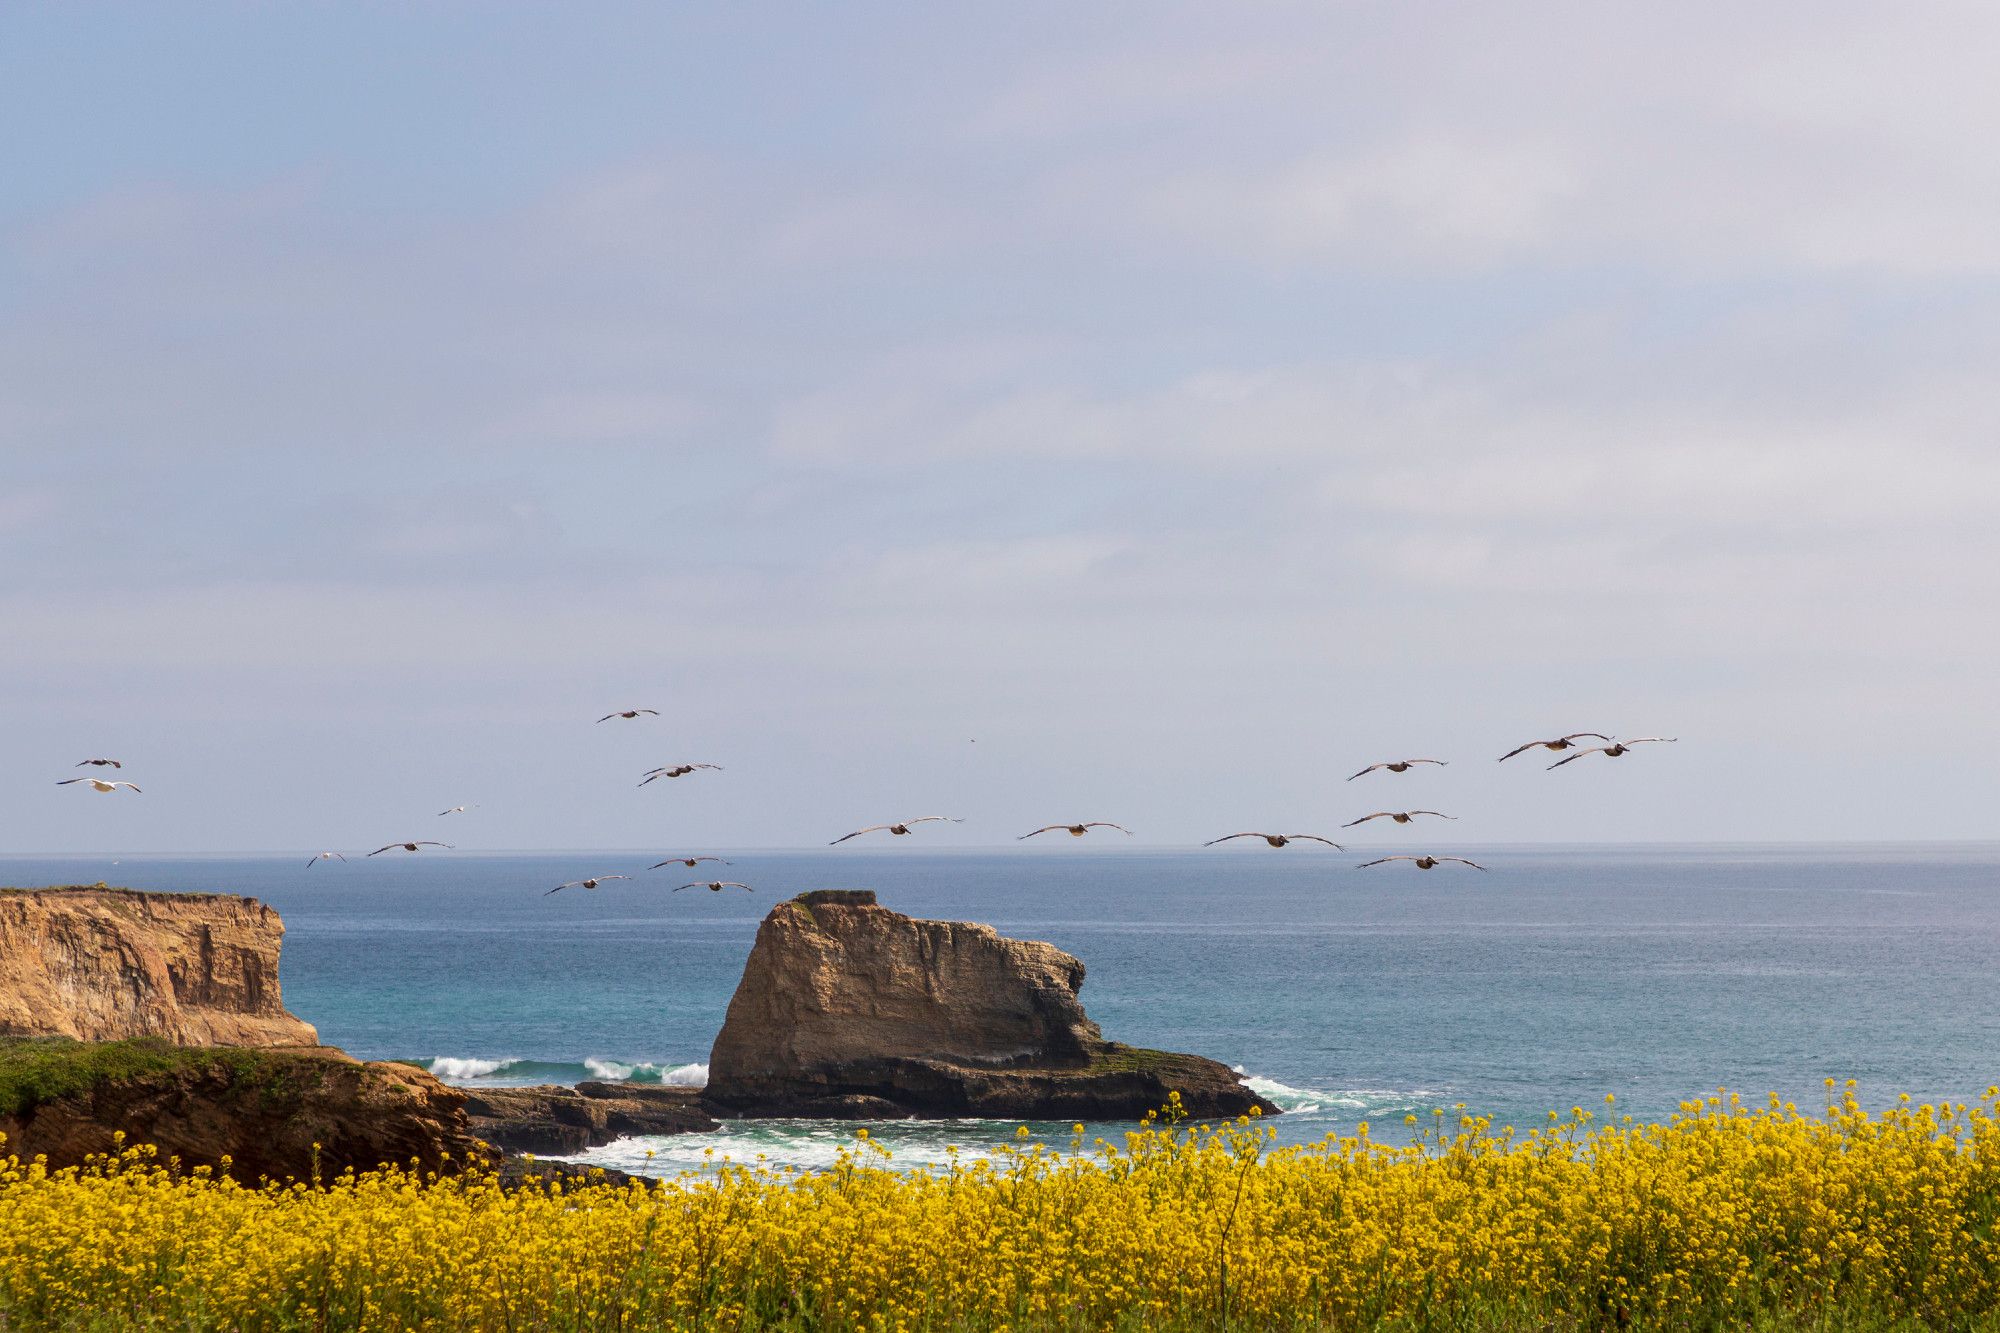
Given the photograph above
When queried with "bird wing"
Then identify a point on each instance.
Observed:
(1364, 772)
(66, 781)
(1379, 814)
(602, 878)
(1462, 861)
(931, 819)
(732, 884)
(872, 828)
(1381, 859)
(390, 847)
(1211, 842)
(1518, 749)
(1579, 735)
(1645, 740)
(1439, 813)
(425, 842)
(560, 887)
(606, 718)
(1314, 837)
(654, 711)
(1105, 823)
(698, 884)
(1427, 761)
(1572, 758)
(650, 776)
(1048, 829)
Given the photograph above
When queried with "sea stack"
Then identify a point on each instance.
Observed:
(847, 1009)
(104, 964)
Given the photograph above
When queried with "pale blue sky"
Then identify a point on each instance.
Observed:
(1192, 405)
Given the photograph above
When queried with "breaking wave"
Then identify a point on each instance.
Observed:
(516, 1072)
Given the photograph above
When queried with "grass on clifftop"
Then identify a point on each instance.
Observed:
(35, 1070)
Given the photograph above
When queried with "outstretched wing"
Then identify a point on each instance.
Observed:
(607, 717)
(1647, 740)
(1105, 823)
(1572, 758)
(1379, 814)
(932, 819)
(1519, 749)
(1439, 813)
(1314, 837)
(1579, 735)
(1211, 842)
(1364, 772)
(872, 828)
(1051, 828)
(1462, 861)
(390, 848)
(1383, 860)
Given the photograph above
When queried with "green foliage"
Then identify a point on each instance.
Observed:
(34, 1070)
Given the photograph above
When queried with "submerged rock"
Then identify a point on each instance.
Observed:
(103, 964)
(549, 1118)
(847, 1009)
(280, 1114)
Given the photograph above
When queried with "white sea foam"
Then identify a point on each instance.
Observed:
(609, 1070)
(686, 1076)
(456, 1067)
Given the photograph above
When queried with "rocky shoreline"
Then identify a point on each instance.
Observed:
(158, 1018)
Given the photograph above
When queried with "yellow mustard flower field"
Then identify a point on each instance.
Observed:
(1727, 1216)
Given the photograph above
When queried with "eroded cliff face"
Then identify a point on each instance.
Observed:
(849, 1009)
(98, 964)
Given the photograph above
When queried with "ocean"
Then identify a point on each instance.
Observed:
(1653, 973)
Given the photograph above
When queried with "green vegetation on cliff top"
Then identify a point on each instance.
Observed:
(35, 1070)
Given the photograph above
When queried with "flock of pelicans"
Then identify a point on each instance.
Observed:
(1611, 749)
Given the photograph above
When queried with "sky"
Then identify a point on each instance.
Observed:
(1150, 413)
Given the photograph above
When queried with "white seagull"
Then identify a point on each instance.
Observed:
(324, 856)
(716, 885)
(1279, 839)
(1076, 830)
(897, 829)
(1616, 748)
(456, 810)
(585, 883)
(1421, 862)
(1559, 743)
(97, 784)
(1400, 816)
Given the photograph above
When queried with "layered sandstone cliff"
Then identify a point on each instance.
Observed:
(101, 964)
(848, 1009)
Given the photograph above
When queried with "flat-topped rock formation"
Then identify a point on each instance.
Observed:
(848, 1009)
(104, 964)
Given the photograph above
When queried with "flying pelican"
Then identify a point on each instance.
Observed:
(897, 829)
(1616, 748)
(716, 885)
(585, 883)
(1400, 816)
(409, 846)
(456, 810)
(1559, 743)
(1396, 766)
(1076, 830)
(689, 861)
(1421, 862)
(324, 856)
(97, 784)
(678, 771)
(1280, 839)
(100, 763)
(629, 713)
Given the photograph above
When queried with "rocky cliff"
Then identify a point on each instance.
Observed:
(271, 1113)
(848, 1009)
(102, 964)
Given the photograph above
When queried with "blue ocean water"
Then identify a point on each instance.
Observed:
(1652, 973)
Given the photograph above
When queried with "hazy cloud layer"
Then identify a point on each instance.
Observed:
(1149, 415)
